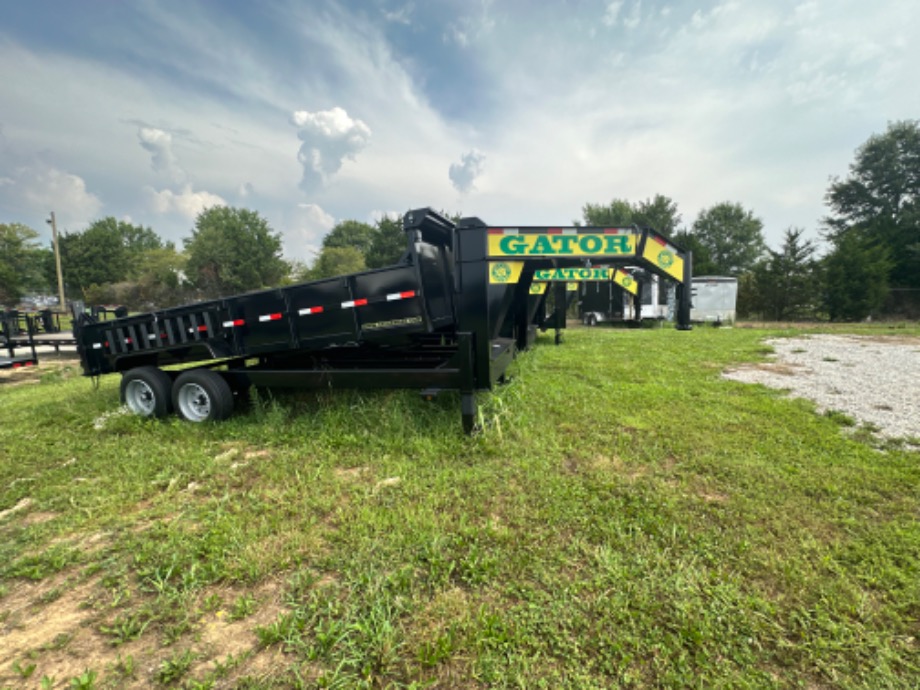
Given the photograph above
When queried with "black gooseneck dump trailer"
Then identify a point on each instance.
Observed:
(450, 315)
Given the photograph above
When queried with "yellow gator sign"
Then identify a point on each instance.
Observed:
(596, 273)
(509, 272)
(568, 242)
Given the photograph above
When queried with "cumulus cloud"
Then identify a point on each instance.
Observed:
(329, 138)
(159, 144)
(40, 188)
(463, 174)
(187, 203)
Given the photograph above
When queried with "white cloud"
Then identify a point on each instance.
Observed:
(186, 203)
(303, 235)
(471, 27)
(635, 16)
(463, 174)
(612, 13)
(159, 144)
(378, 215)
(39, 188)
(329, 138)
(400, 16)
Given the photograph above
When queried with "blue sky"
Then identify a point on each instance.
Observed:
(517, 112)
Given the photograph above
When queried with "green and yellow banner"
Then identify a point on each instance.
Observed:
(626, 281)
(505, 271)
(568, 242)
(576, 273)
(664, 256)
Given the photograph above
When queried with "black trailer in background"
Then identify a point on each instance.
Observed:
(449, 316)
(12, 339)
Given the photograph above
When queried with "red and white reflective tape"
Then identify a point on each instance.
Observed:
(270, 317)
(393, 296)
(233, 324)
(310, 310)
(354, 303)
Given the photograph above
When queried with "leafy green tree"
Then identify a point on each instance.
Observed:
(855, 277)
(880, 199)
(335, 261)
(784, 285)
(659, 213)
(22, 262)
(617, 213)
(108, 251)
(233, 250)
(732, 238)
(351, 233)
(389, 243)
(159, 280)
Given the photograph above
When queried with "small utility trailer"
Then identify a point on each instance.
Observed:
(12, 361)
(449, 316)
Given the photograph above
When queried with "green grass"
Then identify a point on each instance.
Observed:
(626, 518)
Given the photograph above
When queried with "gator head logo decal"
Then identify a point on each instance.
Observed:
(501, 272)
(627, 281)
(666, 258)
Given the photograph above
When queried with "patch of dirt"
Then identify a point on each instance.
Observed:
(54, 624)
(32, 375)
(38, 518)
(778, 368)
(350, 474)
(24, 504)
(55, 636)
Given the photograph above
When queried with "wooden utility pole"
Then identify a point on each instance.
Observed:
(62, 305)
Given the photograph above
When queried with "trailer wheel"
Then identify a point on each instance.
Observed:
(146, 392)
(201, 395)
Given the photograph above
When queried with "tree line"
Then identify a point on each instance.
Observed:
(872, 232)
(230, 251)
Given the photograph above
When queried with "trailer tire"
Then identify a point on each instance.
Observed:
(146, 392)
(201, 395)
(590, 320)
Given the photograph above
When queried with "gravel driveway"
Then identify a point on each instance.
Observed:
(874, 379)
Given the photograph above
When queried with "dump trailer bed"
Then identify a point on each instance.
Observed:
(450, 315)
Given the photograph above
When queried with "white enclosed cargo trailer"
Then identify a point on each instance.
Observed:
(713, 299)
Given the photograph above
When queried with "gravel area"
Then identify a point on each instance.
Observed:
(873, 379)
